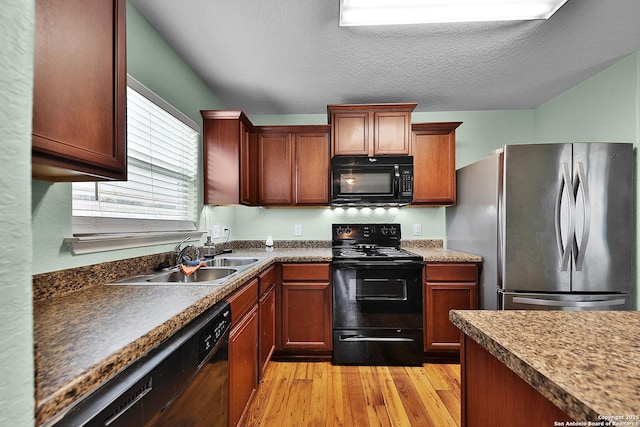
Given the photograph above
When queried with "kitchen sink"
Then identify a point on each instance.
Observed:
(216, 272)
(203, 274)
(230, 261)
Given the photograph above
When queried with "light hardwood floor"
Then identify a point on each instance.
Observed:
(305, 394)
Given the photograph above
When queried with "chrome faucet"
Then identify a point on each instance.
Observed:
(181, 253)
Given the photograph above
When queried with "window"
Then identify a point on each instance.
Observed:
(160, 194)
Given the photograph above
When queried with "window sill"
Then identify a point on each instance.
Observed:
(110, 242)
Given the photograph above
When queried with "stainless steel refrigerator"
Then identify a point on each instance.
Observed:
(553, 223)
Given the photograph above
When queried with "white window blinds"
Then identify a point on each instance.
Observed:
(160, 193)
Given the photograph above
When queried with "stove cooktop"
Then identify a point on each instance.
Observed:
(368, 241)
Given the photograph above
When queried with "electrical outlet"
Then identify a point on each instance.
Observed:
(417, 229)
(216, 233)
(297, 230)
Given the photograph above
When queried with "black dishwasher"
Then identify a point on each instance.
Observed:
(183, 382)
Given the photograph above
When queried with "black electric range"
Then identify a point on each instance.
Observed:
(377, 297)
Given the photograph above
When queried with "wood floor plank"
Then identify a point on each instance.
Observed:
(392, 399)
(355, 394)
(439, 415)
(415, 409)
(294, 394)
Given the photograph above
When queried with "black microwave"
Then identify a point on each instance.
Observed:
(371, 181)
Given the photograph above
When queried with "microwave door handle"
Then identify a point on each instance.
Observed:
(396, 181)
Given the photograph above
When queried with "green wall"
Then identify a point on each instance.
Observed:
(16, 314)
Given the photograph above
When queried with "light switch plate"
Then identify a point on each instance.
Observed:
(216, 232)
(417, 229)
(297, 230)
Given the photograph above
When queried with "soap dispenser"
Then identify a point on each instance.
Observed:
(209, 248)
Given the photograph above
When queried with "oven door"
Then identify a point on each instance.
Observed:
(377, 295)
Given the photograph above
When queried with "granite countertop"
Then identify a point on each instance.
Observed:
(443, 255)
(586, 363)
(85, 337)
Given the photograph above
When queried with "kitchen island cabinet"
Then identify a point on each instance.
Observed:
(448, 286)
(79, 91)
(305, 310)
(370, 129)
(433, 146)
(521, 367)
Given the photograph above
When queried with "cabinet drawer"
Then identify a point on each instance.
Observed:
(448, 272)
(242, 300)
(266, 279)
(296, 272)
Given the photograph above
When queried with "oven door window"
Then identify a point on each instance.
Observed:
(377, 182)
(372, 289)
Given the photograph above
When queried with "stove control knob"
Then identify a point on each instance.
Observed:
(347, 230)
(393, 231)
(384, 231)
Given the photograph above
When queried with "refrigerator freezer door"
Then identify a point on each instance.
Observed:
(602, 249)
(565, 302)
(472, 225)
(536, 213)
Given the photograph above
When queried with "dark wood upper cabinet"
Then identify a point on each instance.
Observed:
(312, 165)
(275, 166)
(293, 165)
(230, 158)
(370, 129)
(79, 92)
(433, 147)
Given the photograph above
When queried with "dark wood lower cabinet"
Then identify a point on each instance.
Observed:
(304, 311)
(243, 350)
(243, 365)
(448, 286)
(494, 396)
(267, 343)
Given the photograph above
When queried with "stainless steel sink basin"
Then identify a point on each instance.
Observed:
(230, 261)
(203, 274)
(216, 272)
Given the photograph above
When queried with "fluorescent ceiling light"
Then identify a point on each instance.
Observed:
(393, 12)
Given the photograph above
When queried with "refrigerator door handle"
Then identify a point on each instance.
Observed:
(564, 248)
(581, 184)
(560, 303)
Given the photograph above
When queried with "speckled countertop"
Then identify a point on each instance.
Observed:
(84, 337)
(586, 363)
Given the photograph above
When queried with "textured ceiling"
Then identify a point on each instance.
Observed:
(291, 57)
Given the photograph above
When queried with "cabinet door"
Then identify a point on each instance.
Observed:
(440, 333)
(392, 132)
(350, 133)
(243, 365)
(306, 316)
(248, 166)
(448, 286)
(312, 168)
(275, 165)
(434, 163)
(267, 342)
(79, 92)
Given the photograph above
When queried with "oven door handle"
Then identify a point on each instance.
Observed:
(400, 263)
(360, 338)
